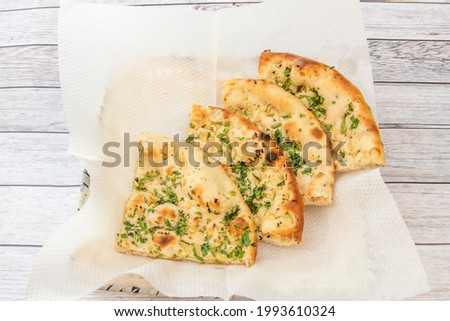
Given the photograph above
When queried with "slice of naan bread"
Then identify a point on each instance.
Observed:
(335, 101)
(295, 129)
(184, 207)
(254, 162)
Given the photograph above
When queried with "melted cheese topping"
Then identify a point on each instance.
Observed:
(335, 102)
(184, 208)
(295, 129)
(254, 162)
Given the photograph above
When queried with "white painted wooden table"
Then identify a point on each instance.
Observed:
(40, 183)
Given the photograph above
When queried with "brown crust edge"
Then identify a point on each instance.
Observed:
(295, 204)
(303, 63)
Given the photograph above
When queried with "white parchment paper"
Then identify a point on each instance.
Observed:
(139, 69)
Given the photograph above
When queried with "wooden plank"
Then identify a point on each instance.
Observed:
(37, 4)
(413, 106)
(29, 66)
(32, 109)
(412, 156)
(34, 220)
(382, 20)
(416, 155)
(15, 267)
(406, 21)
(404, 61)
(436, 261)
(425, 209)
(29, 27)
(423, 206)
(37, 159)
(392, 61)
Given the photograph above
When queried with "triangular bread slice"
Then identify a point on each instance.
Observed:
(254, 162)
(184, 207)
(293, 127)
(335, 101)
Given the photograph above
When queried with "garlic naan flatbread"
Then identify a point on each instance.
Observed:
(335, 101)
(254, 162)
(180, 210)
(295, 129)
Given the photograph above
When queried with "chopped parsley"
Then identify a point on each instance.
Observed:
(326, 126)
(231, 215)
(314, 103)
(191, 138)
(205, 249)
(354, 121)
(196, 255)
(258, 193)
(296, 161)
(287, 72)
(291, 150)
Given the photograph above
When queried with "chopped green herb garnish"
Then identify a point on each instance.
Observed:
(326, 126)
(231, 215)
(205, 249)
(275, 126)
(296, 161)
(353, 119)
(191, 138)
(355, 122)
(287, 72)
(196, 255)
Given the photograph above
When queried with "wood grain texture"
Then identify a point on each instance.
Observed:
(32, 110)
(16, 263)
(27, 66)
(416, 155)
(406, 21)
(410, 61)
(425, 209)
(435, 260)
(37, 159)
(29, 27)
(413, 106)
(38, 218)
(15, 267)
(423, 206)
